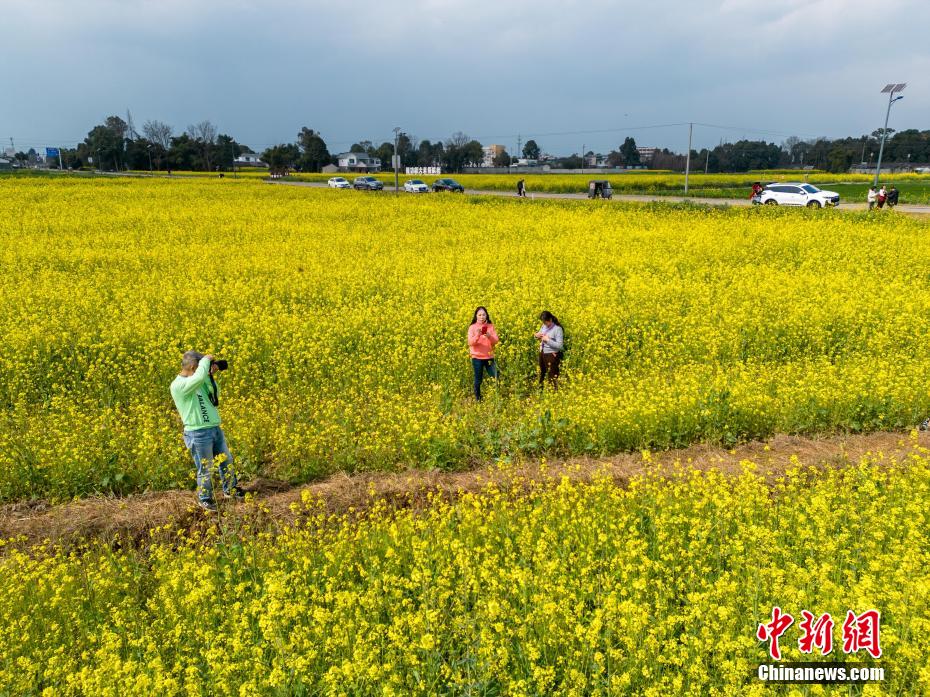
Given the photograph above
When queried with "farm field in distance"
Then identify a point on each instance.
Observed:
(343, 316)
(683, 325)
(914, 188)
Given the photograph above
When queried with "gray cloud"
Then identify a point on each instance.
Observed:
(261, 70)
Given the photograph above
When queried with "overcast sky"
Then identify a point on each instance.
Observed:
(591, 71)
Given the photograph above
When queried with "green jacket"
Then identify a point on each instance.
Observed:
(192, 398)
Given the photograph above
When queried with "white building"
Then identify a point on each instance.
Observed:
(358, 162)
(250, 159)
(491, 153)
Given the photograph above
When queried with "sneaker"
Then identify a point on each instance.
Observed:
(208, 505)
(925, 425)
(235, 493)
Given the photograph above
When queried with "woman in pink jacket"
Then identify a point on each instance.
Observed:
(482, 338)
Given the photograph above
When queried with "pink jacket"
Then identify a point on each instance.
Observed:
(482, 345)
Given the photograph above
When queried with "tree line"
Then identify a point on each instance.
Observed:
(116, 145)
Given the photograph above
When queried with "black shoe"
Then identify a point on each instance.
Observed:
(208, 505)
(236, 493)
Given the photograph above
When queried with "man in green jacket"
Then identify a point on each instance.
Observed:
(197, 396)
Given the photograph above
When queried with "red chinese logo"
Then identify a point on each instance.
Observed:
(774, 629)
(860, 632)
(816, 634)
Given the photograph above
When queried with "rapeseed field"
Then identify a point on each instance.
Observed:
(344, 315)
(657, 588)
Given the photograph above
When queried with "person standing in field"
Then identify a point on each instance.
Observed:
(521, 188)
(872, 195)
(482, 338)
(197, 398)
(892, 199)
(551, 343)
(881, 196)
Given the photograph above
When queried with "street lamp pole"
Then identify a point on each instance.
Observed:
(396, 160)
(891, 89)
(688, 157)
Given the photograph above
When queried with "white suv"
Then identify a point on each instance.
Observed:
(796, 194)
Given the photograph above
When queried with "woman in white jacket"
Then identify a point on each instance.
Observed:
(551, 343)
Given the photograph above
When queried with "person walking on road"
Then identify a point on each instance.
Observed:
(482, 338)
(872, 195)
(521, 188)
(881, 196)
(551, 343)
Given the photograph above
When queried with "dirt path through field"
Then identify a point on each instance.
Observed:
(129, 520)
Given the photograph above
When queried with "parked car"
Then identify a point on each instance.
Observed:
(448, 185)
(367, 184)
(415, 186)
(796, 194)
(339, 183)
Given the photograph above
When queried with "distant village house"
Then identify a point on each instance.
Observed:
(358, 162)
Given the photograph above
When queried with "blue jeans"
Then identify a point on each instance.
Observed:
(480, 365)
(205, 445)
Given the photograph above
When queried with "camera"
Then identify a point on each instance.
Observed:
(220, 365)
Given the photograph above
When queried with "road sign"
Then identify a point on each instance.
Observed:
(51, 152)
(395, 161)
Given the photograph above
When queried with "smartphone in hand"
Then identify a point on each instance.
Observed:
(484, 329)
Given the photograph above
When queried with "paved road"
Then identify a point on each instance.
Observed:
(913, 209)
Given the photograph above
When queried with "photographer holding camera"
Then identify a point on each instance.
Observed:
(197, 396)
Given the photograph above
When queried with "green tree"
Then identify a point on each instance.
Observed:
(839, 160)
(384, 152)
(531, 150)
(429, 154)
(462, 151)
(225, 151)
(314, 153)
(184, 153)
(106, 144)
(407, 150)
(629, 153)
(502, 159)
(281, 158)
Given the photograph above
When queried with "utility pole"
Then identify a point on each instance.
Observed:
(519, 144)
(890, 89)
(688, 157)
(707, 161)
(582, 158)
(396, 160)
